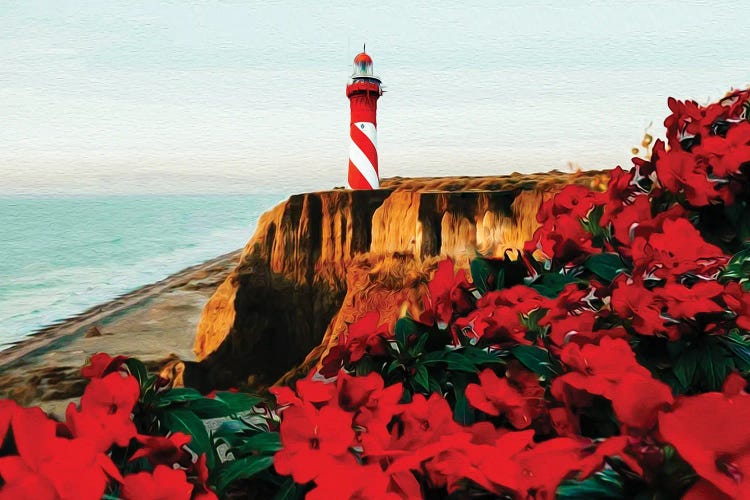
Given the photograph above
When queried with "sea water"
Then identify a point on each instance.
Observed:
(62, 255)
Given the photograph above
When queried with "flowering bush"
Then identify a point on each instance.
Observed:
(132, 438)
(606, 359)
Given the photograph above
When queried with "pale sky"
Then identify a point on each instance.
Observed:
(147, 96)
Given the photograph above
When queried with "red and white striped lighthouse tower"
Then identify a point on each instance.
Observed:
(363, 91)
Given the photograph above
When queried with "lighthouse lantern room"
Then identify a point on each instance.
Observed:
(363, 91)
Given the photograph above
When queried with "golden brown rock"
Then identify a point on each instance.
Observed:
(320, 261)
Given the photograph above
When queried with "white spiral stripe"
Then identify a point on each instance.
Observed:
(363, 164)
(369, 130)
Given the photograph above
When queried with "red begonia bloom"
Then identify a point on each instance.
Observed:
(162, 450)
(46, 462)
(738, 301)
(678, 171)
(496, 396)
(727, 154)
(611, 370)
(201, 491)
(101, 364)
(313, 440)
(355, 392)
(164, 483)
(375, 415)
(631, 300)
(448, 292)
(106, 407)
(423, 421)
(710, 432)
(363, 482)
(366, 336)
(678, 249)
(545, 465)
(308, 391)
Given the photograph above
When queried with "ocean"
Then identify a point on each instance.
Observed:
(62, 255)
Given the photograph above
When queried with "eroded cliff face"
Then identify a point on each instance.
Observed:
(319, 261)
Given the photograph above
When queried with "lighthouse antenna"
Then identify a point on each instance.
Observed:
(364, 45)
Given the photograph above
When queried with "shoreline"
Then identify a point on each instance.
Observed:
(76, 324)
(154, 323)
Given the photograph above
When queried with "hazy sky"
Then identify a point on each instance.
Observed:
(148, 96)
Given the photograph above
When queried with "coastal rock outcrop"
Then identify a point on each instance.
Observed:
(319, 261)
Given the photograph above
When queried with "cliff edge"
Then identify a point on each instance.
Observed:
(319, 261)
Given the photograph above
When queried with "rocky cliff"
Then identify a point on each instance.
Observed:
(320, 261)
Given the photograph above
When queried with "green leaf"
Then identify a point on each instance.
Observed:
(242, 468)
(480, 356)
(422, 378)
(467, 359)
(419, 346)
(605, 265)
(606, 484)
(740, 348)
(405, 328)
(463, 413)
(138, 370)
(181, 420)
(287, 491)
(209, 408)
(484, 274)
(263, 442)
(551, 284)
(715, 365)
(686, 367)
(178, 395)
(238, 402)
(737, 269)
(231, 432)
(537, 360)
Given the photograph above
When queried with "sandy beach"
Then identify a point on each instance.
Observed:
(153, 323)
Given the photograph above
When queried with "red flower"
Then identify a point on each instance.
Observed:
(738, 301)
(313, 440)
(164, 483)
(710, 432)
(630, 299)
(454, 457)
(363, 482)
(423, 421)
(375, 416)
(496, 396)
(727, 154)
(101, 364)
(365, 336)
(448, 292)
(686, 302)
(679, 171)
(562, 238)
(561, 234)
(678, 249)
(520, 298)
(162, 450)
(46, 462)
(626, 220)
(106, 406)
(610, 370)
(355, 392)
(547, 464)
(201, 491)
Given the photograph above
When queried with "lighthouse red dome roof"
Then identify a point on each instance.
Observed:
(362, 58)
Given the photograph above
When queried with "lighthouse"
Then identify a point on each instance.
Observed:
(363, 91)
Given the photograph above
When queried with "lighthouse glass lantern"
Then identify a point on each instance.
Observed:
(362, 66)
(363, 91)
